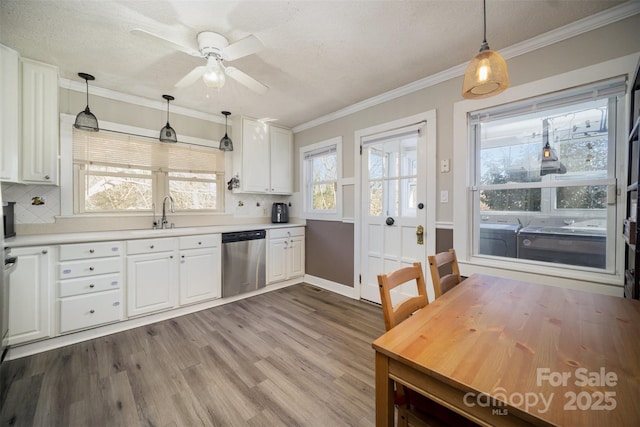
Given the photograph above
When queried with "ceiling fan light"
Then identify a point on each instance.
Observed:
(214, 76)
(86, 120)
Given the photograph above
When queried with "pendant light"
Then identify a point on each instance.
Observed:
(85, 119)
(486, 74)
(167, 134)
(549, 162)
(225, 143)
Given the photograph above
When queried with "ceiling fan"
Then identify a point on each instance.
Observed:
(215, 49)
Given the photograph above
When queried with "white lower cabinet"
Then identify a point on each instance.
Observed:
(200, 272)
(285, 254)
(90, 285)
(152, 275)
(29, 295)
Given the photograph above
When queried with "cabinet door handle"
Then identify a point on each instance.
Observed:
(92, 285)
(91, 268)
(92, 311)
(91, 251)
(46, 177)
(182, 256)
(44, 251)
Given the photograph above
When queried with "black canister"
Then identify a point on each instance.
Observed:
(279, 213)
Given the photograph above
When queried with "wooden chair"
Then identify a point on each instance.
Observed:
(444, 283)
(413, 408)
(387, 282)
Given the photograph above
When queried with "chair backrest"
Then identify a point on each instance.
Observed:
(404, 309)
(442, 284)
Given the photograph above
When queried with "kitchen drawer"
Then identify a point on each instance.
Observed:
(85, 311)
(195, 242)
(89, 267)
(278, 233)
(87, 285)
(90, 250)
(149, 246)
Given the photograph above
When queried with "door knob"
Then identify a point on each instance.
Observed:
(390, 221)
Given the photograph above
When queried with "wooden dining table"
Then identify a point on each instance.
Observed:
(506, 352)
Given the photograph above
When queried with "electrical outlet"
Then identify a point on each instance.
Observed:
(444, 165)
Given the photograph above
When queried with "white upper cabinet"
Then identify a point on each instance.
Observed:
(263, 157)
(39, 123)
(9, 113)
(28, 120)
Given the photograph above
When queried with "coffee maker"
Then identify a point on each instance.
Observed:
(279, 213)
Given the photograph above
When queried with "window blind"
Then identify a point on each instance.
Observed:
(324, 151)
(111, 149)
(598, 90)
(393, 134)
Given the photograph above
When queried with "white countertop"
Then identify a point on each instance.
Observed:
(97, 236)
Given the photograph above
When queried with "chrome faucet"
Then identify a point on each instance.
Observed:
(164, 211)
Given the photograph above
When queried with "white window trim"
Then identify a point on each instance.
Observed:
(67, 188)
(462, 154)
(333, 215)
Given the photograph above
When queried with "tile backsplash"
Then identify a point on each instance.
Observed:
(35, 204)
(40, 204)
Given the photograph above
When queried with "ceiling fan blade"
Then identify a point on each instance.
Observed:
(167, 42)
(192, 77)
(244, 47)
(246, 80)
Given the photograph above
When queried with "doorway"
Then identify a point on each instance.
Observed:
(396, 207)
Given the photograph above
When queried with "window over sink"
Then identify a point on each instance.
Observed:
(116, 172)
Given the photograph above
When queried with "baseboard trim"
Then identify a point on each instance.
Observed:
(329, 285)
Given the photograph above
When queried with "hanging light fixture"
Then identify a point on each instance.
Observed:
(549, 162)
(85, 119)
(167, 134)
(486, 74)
(225, 143)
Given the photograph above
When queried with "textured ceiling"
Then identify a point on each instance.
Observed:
(319, 56)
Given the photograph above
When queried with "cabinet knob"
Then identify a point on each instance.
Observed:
(47, 177)
(151, 246)
(199, 243)
(170, 256)
(44, 251)
(92, 285)
(91, 268)
(92, 311)
(91, 251)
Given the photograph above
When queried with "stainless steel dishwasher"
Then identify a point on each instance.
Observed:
(243, 262)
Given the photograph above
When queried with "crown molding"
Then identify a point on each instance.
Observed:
(138, 100)
(573, 29)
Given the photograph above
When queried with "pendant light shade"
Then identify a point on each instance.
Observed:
(225, 143)
(167, 134)
(85, 119)
(549, 161)
(486, 74)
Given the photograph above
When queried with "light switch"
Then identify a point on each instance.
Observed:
(444, 196)
(444, 165)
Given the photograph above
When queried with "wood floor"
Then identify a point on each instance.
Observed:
(298, 356)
